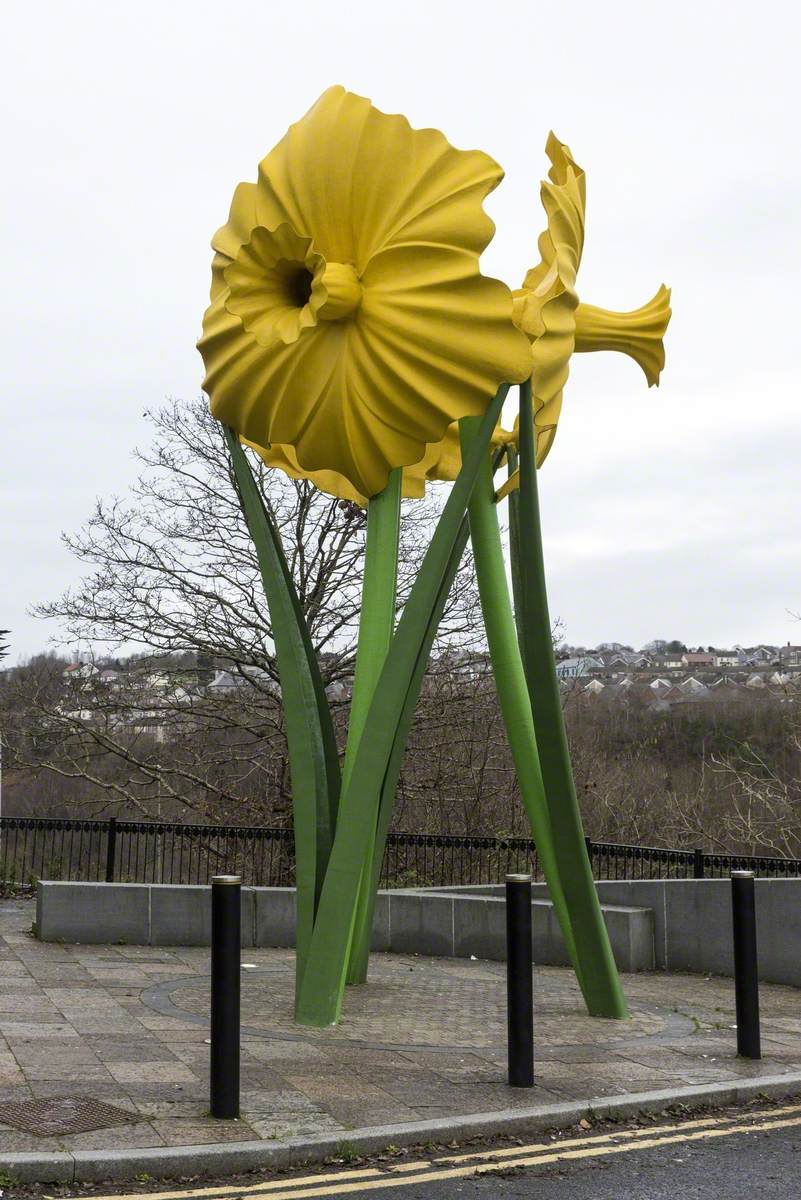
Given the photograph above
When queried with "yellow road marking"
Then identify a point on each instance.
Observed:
(481, 1161)
(487, 1168)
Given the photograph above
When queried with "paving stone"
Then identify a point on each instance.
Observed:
(283, 1127)
(16, 1002)
(188, 1110)
(112, 1050)
(424, 1039)
(121, 1137)
(181, 1132)
(150, 1072)
(102, 1089)
(14, 1141)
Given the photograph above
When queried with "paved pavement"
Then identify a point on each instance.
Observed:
(425, 1038)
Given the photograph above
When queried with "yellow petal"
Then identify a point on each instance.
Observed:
(412, 336)
(545, 306)
(414, 478)
(548, 310)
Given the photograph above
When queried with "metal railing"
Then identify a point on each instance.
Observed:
(34, 848)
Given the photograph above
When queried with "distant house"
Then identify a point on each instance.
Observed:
(574, 668)
(660, 685)
(594, 687)
(616, 662)
(698, 661)
(224, 681)
(790, 656)
(159, 681)
(79, 670)
(693, 686)
(759, 655)
(726, 658)
(755, 681)
(666, 662)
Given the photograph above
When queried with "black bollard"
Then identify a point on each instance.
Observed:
(225, 974)
(746, 977)
(519, 993)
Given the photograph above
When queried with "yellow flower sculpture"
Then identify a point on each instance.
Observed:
(548, 309)
(349, 320)
(441, 460)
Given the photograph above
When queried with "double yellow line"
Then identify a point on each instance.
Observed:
(456, 1166)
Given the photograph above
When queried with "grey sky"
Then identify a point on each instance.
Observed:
(667, 513)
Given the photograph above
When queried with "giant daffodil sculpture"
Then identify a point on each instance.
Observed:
(352, 339)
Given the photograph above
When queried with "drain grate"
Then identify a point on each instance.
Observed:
(63, 1114)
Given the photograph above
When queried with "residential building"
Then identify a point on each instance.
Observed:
(574, 668)
(698, 660)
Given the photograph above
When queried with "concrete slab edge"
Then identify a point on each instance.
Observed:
(93, 1166)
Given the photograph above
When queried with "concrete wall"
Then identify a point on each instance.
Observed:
(672, 924)
(453, 924)
(693, 926)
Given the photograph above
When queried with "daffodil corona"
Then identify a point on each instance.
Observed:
(349, 319)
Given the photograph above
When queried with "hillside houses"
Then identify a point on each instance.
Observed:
(148, 697)
(660, 679)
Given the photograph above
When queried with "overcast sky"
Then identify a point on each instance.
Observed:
(670, 512)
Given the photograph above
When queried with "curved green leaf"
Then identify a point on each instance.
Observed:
(598, 976)
(323, 983)
(313, 759)
(510, 679)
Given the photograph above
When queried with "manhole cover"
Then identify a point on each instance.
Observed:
(48, 1118)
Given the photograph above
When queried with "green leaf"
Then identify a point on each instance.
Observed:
(598, 975)
(510, 679)
(360, 951)
(313, 759)
(514, 540)
(376, 627)
(321, 989)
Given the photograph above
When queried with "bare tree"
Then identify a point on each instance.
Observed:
(194, 723)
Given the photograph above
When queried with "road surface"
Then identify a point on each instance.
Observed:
(750, 1153)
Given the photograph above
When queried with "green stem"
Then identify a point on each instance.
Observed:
(514, 541)
(380, 746)
(510, 679)
(376, 626)
(401, 737)
(598, 975)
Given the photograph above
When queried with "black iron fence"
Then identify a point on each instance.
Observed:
(34, 848)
